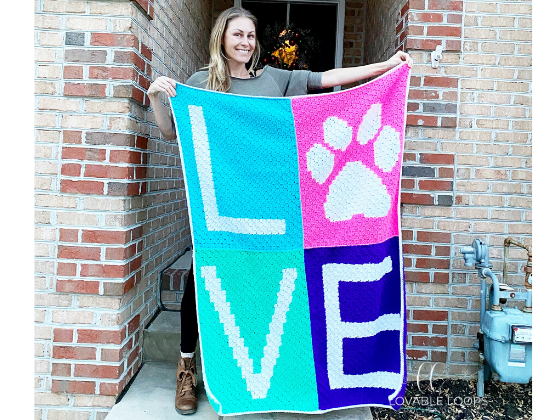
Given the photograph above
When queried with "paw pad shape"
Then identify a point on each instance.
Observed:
(356, 189)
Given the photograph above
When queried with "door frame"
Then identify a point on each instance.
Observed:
(339, 48)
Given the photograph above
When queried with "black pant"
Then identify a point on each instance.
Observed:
(189, 324)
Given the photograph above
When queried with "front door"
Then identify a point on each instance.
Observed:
(315, 31)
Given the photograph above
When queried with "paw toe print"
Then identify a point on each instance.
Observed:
(356, 189)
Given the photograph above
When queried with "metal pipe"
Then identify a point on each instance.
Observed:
(496, 293)
(480, 383)
(482, 300)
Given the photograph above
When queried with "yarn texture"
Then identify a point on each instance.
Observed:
(294, 210)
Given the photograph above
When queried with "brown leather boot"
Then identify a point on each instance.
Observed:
(185, 397)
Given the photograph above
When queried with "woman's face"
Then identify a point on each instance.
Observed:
(239, 40)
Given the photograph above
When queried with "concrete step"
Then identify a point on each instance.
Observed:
(151, 396)
(162, 339)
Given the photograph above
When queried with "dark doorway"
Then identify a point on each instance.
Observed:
(320, 19)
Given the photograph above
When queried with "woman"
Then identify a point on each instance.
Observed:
(234, 52)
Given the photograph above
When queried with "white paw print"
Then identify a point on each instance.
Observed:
(356, 189)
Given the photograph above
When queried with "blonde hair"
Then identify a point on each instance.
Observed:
(219, 78)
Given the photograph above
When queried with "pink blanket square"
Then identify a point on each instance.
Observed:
(350, 157)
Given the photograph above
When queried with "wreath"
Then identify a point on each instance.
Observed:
(287, 47)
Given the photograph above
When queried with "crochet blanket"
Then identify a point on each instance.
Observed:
(294, 209)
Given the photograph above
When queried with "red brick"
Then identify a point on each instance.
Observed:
(407, 5)
(136, 233)
(73, 72)
(77, 286)
(135, 264)
(142, 3)
(424, 120)
(109, 171)
(133, 324)
(416, 327)
(416, 354)
(426, 17)
(421, 340)
(421, 44)
(407, 262)
(79, 252)
(429, 315)
(72, 352)
(446, 172)
(143, 82)
(441, 237)
(140, 172)
(412, 107)
(104, 270)
(454, 18)
(83, 153)
(73, 387)
(407, 184)
(416, 4)
(120, 253)
(146, 52)
(439, 356)
(132, 356)
(85, 89)
(61, 369)
(68, 235)
(456, 6)
(407, 235)
(98, 371)
(111, 355)
(423, 94)
(106, 236)
(439, 329)
(101, 336)
(125, 156)
(63, 335)
(419, 276)
(129, 57)
(70, 136)
(415, 80)
(440, 277)
(435, 185)
(116, 73)
(439, 81)
(412, 198)
(413, 249)
(66, 269)
(114, 40)
(437, 158)
(71, 169)
(142, 142)
(108, 388)
(452, 45)
(448, 122)
(453, 31)
(432, 263)
(443, 251)
(81, 187)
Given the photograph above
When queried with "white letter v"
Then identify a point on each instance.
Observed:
(257, 383)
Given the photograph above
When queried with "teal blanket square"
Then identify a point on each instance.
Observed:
(254, 321)
(240, 162)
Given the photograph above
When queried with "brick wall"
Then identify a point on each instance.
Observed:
(467, 169)
(381, 18)
(110, 208)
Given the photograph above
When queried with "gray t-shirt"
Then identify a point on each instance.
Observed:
(271, 82)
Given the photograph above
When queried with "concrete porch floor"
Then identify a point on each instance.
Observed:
(151, 395)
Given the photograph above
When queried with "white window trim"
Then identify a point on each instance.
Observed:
(339, 25)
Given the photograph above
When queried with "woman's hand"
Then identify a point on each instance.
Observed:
(162, 84)
(398, 58)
